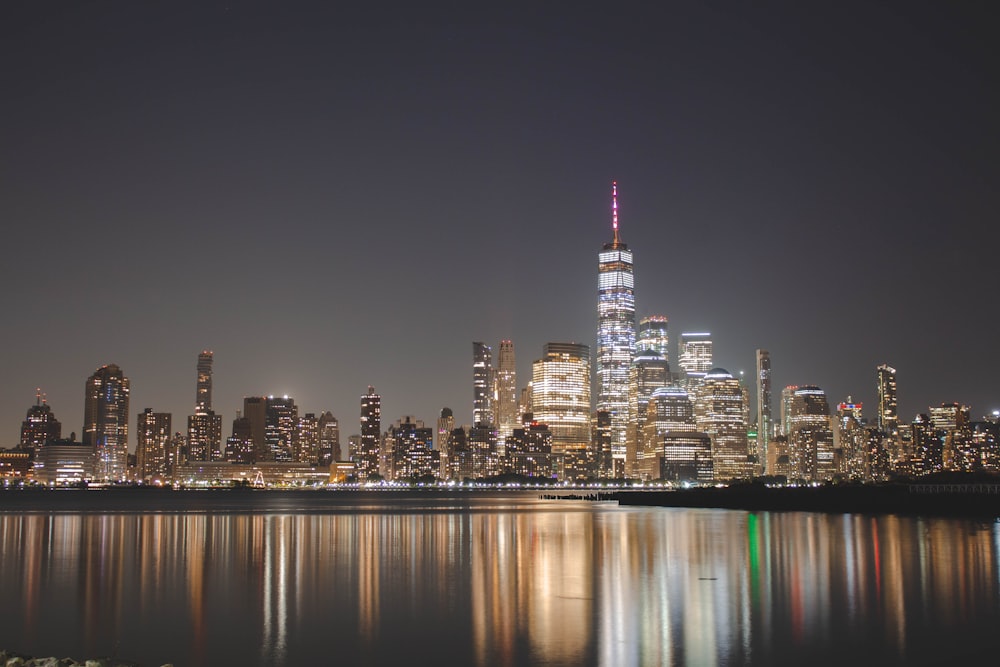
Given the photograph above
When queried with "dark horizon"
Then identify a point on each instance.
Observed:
(333, 198)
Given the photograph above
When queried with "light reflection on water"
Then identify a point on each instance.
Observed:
(509, 581)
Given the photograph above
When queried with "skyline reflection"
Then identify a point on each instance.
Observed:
(512, 583)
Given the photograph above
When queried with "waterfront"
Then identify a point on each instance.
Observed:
(487, 579)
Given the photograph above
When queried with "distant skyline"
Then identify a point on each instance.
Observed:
(333, 198)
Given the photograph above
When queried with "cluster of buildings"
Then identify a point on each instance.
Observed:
(624, 412)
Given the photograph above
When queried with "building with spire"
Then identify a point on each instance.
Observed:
(204, 426)
(39, 425)
(615, 338)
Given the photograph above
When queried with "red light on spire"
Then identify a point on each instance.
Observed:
(614, 209)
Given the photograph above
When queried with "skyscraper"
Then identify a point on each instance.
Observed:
(204, 426)
(152, 448)
(810, 438)
(506, 394)
(653, 335)
(764, 426)
(561, 394)
(650, 372)
(672, 447)
(105, 422)
(720, 411)
(695, 357)
(482, 385)
(329, 439)
(371, 430)
(615, 337)
(39, 425)
(888, 417)
(281, 429)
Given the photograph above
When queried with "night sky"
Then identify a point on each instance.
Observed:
(332, 197)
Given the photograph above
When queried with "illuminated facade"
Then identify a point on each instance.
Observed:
(529, 451)
(39, 426)
(239, 445)
(482, 384)
(765, 428)
(672, 447)
(413, 455)
(695, 357)
(810, 438)
(615, 338)
(851, 442)
(329, 439)
(888, 417)
(307, 448)
(561, 394)
(652, 335)
(153, 435)
(65, 462)
(281, 429)
(366, 462)
(649, 373)
(204, 426)
(105, 422)
(507, 414)
(720, 409)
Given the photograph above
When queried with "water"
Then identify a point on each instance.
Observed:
(500, 579)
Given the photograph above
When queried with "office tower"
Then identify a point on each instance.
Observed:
(203, 394)
(787, 396)
(526, 403)
(105, 422)
(39, 426)
(445, 425)
(851, 442)
(652, 335)
(508, 417)
(281, 429)
(64, 462)
(482, 384)
(695, 357)
(720, 409)
(810, 438)
(307, 447)
(460, 457)
(239, 445)
(764, 426)
(255, 410)
(650, 372)
(951, 422)
(888, 417)
(152, 451)
(329, 439)
(204, 426)
(672, 447)
(615, 338)
(367, 461)
(413, 455)
(600, 435)
(561, 394)
(926, 447)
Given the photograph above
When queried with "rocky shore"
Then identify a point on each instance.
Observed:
(10, 659)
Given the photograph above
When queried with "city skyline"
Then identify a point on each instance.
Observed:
(829, 204)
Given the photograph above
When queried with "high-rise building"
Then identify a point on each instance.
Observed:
(482, 385)
(810, 438)
(105, 422)
(765, 429)
(204, 426)
(255, 411)
(329, 439)
(672, 447)
(720, 409)
(695, 357)
(413, 455)
(652, 335)
(888, 417)
(787, 396)
(650, 372)
(152, 451)
(851, 442)
(615, 338)
(561, 394)
(529, 451)
(367, 461)
(281, 429)
(307, 447)
(239, 445)
(39, 425)
(507, 414)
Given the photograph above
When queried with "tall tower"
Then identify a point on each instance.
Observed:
(615, 336)
(764, 426)
(695, 357)
(506, 409)
(152, 447)
(653, 336)
(105, 422)
(482, 384)
(719, 412)
(888, 417)
(204, 426)
(561, 394)
(810, 438)
(39, 425)
(371, 432)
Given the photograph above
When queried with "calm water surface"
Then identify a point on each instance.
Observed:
(378, 579)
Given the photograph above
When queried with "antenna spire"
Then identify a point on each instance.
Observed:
(614, 210)
(38, 395)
